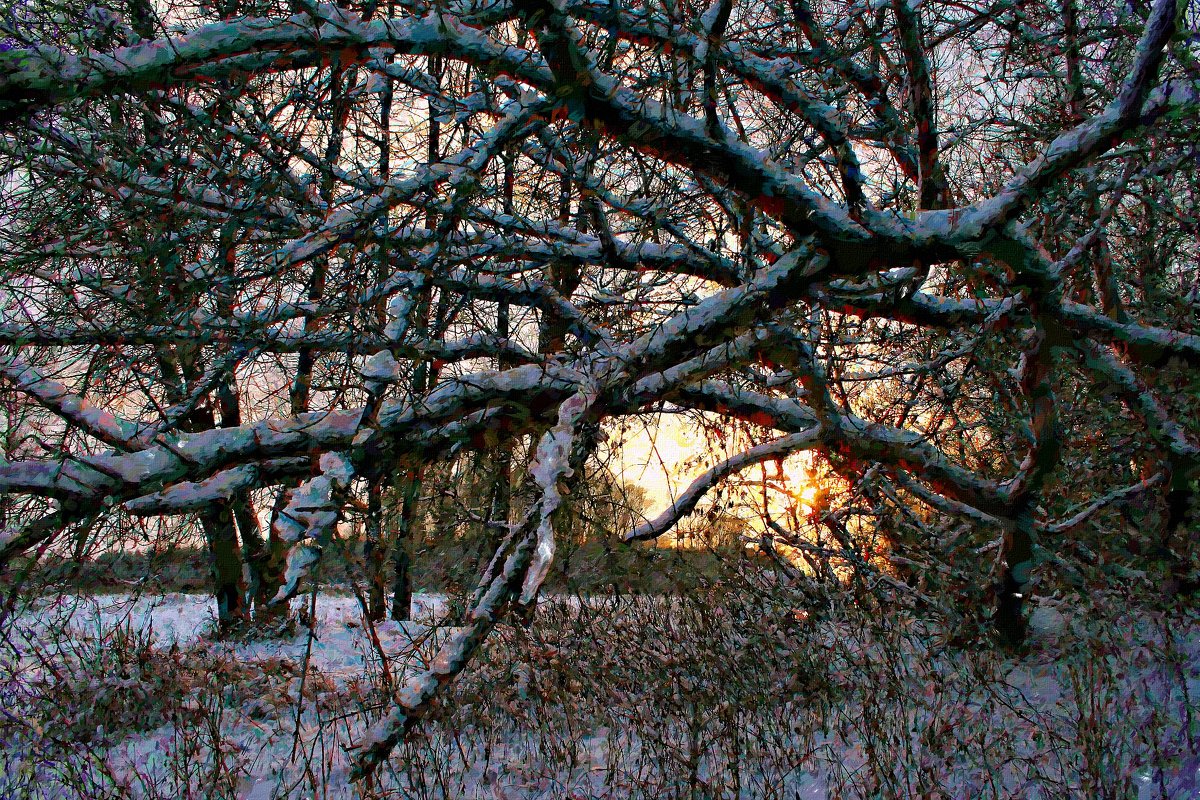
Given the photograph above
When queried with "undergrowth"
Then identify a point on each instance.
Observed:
(736, 690)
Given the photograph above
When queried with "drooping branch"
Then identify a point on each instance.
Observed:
(685, 503)
(521, 565)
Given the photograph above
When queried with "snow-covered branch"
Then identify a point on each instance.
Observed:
(79, 411)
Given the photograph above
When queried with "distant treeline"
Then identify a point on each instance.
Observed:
(447, 566)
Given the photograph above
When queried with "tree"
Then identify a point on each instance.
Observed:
(951, 248)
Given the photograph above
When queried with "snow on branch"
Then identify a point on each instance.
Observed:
(309, 518)
(188, 496)
(1082, 515)
(1088, 139)
(1147, 342)
(515, 575)
(552, 464)
(34, 78)
(1165, 431)
(79, 411)
(429, 423)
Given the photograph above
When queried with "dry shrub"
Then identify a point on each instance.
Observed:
(735, 691)
(741, 687)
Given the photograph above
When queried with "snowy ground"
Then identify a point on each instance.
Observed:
(337, 646)
(254, 741)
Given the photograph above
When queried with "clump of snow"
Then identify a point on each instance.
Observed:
(309, 518)
(381, 367)
(551, 464)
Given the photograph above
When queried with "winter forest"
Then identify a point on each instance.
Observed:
(599, 399)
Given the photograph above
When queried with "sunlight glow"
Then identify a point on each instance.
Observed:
(665, 455)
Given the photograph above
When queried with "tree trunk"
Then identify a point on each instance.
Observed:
(1037, 386)
(228, 586)
(1009, 621)
(410, 491)
(375, 553)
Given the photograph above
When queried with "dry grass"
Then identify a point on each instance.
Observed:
(730, 692)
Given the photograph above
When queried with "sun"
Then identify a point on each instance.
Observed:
(800, 493)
